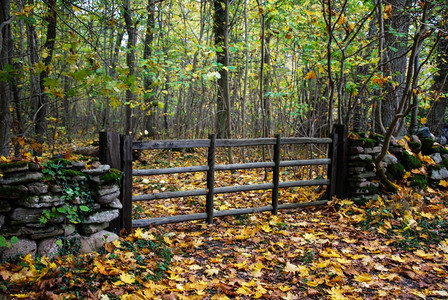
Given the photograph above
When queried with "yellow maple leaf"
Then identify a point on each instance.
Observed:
(363, 278)
(4, 159)
(291, 268)
(329, 253)
(443, 183)
(212, 271)
(387, 12)
(423, 121)
(266, 227)
(284, 288)
(310, 75)
(138, 233)
(127, 278)
(336, 293)
(423, 254)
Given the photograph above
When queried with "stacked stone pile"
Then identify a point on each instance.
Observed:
(27, 194)
(423, 161)
(362, 180)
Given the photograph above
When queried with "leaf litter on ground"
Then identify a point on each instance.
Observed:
(394, 247)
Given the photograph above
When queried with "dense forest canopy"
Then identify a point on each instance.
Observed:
(240, 68)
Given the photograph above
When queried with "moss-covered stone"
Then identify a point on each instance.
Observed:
(377, 137)
(396, 171)
(14, 164)
(444, 163)
(410, 162)
(73, 173)
(427, 146)
(415, 147)
(13, 191)
(112, 176)
(419, 181)
(443, 150)
(61, 161)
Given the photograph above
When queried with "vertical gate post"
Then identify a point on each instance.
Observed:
(110, 154)
(126, 186)
(276, 174)
(338, 169)
(209, 204)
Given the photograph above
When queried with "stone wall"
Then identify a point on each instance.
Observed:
(412, 161)
(63, 204)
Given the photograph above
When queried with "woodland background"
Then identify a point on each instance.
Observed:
(241, 68)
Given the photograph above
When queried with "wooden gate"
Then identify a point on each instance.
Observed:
(117, 151)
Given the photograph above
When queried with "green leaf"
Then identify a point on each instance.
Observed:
(84, 208)
(3, 242)
(393, 49)
(14, 240)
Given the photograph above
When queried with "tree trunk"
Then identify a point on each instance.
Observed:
(130, 60)
(42, 107)
(437, 113)
(6, 53)
(147, 82)
(222, 58)
(395, 48)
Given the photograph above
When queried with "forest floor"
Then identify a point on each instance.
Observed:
(395, 248)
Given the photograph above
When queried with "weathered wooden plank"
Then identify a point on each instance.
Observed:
(302, 204)
(209, 204)
(305, 140)
(148, 172)
(243, 188)
(305, 162)
(169, 144)
(168, 220)
(168, 195)
(126, 192)
(276, 175)
(287, 184)
(244, 142)
(242, 211)
(244, 166)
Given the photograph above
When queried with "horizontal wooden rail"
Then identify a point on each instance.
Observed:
(220, 213)
(148, 172)
(192, 169)
(230, 189)
(179, 144)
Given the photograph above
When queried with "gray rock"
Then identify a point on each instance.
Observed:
(79, 165)
(355, 150)
(22, 248)
(102, 216)
(93, 228)
(48, 247)
(415, 139)
(106, 190)
(29, 215)
(13, 191)
(5, 206)
(55, 188)
(96, 241)
(115, 204)
(356, 169)
(18, 178)
(46, 232)
(439, 174)
(436, 157)
(101, 169)
(69, 229)
(40, 201)
(374, 150)
(106, 199)
(37, 188)
(360, 157)
(389, 159)
(34, 167)
(10, 168)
